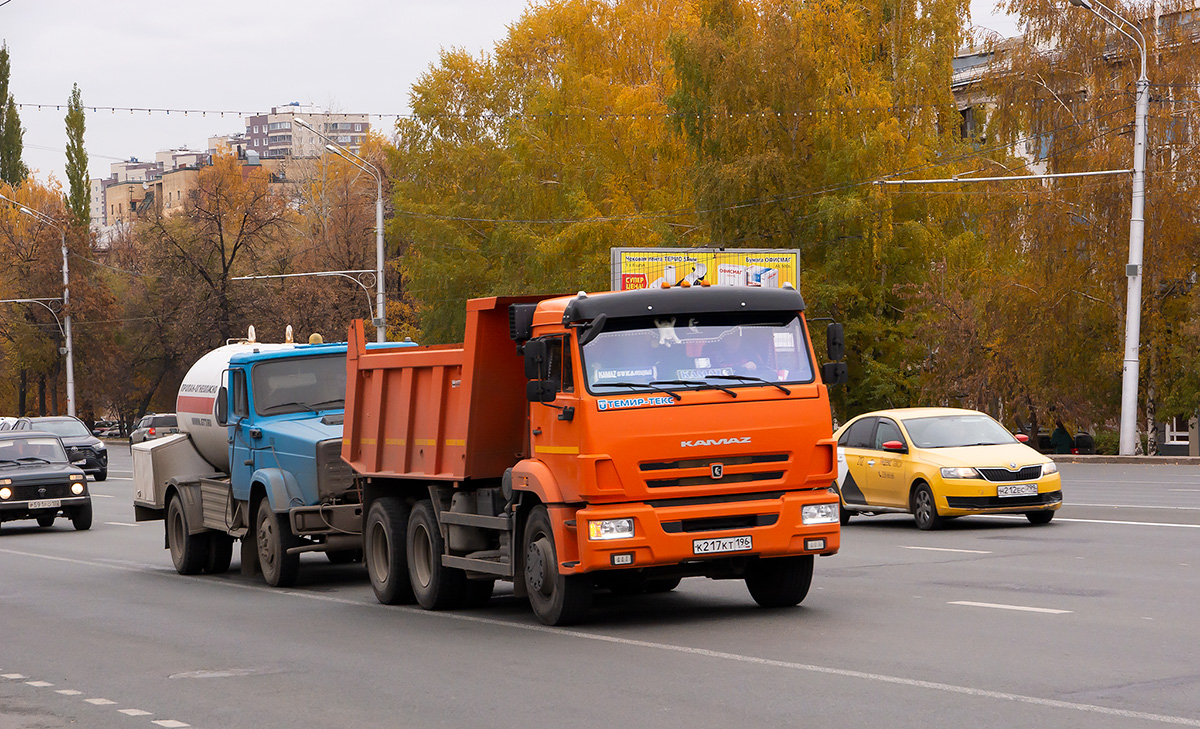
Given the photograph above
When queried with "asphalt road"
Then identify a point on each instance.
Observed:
(1089, 621)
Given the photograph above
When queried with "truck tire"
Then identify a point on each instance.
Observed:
(556, 599)
(780, 581)
(188, 551)
(435, 586)
(385, 540)
(274, 538)
(219, 553)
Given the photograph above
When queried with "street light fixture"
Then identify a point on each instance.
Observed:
(380, 313)
(1133, 270)
(66, 299)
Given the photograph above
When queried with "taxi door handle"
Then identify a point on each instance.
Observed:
(871, 462)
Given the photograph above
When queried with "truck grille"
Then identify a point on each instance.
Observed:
(335, 479)
(1028, 473)
(733, 470)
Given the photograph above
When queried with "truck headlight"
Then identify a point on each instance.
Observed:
(956, 472)
(5, 492)
(610, 529)
(77, 488)
(819, 514)
(1049, 468)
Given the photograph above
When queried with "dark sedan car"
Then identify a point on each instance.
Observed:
(37, 481)
(81, 445)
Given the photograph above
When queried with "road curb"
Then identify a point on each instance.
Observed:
(1127, 460)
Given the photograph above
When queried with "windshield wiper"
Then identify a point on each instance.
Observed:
(748, 378)
(287, 405)
(702, 385)
(7, 460)
(33, 459)
(651, 385)
(336, 401)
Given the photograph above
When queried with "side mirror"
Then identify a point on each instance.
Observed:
(542, 391)
(895, 446)
(535, 359)
(1022, 438)
(223, 406)
(835, 342)
(834, 373)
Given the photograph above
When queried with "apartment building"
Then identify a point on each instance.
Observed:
(277, 136)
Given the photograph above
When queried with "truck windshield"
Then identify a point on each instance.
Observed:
(299, 384)
(680, 352)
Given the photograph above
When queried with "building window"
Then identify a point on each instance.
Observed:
(358, 127)
(256, 129)
(1177, 431)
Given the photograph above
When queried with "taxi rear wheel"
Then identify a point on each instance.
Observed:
(924, 508)
(1039, 517)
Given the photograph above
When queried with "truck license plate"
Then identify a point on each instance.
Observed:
(1016, 489)
(45, 504)
(724, 544)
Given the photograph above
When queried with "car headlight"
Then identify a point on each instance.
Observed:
(959, 472)
(610, 529)
(819, 514)
(77, 488)
(5, 481)
(100, 446)
(5, 492)
(1049, 468)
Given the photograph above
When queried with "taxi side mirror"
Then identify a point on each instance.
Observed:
(1022, 438)
(895, 446)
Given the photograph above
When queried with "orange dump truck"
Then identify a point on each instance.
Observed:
(617, 441)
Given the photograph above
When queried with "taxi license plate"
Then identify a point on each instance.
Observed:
(724, 544)
(1016, 489)
(45, 504)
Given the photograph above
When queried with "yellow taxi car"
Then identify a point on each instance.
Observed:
(941, 463)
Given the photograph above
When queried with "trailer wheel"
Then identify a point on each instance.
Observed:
(781, 581)
(556, 599)
(188, 551)
(274, 537)
(435, 586)
(384, 542)
(219, 554)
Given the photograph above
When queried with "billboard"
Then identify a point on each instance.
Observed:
(640, 268)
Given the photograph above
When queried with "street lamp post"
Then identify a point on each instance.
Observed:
(66, 299)
(1133, 271)
(362, 164)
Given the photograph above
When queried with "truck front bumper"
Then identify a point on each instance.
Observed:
(671, 535)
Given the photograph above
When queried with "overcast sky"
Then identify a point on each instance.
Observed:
(234, 55)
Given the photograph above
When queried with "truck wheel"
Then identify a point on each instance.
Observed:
(1034, 517)
(556, 599)
(384, 541)
(81, 517)
(219, 553)
(780, 581)
(188, 551)
(435, 586)
(46, 521)
(274, 537)
(924, 509)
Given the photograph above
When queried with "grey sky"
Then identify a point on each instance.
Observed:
(232, 54)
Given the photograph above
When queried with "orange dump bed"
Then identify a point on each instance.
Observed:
(447, 412)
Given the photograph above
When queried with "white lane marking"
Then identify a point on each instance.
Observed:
(1102, 521)
(665, 647)
(104, 496)
(1185, 491)
(13, 676)
(1022, 608)
(947, 549)
(39, 684)
(120, 523)
(170, 723)
(68, 692)
(100, 702)
(1140, 506)
(135, 712)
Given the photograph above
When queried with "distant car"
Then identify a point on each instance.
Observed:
(154, 426)
(76, 438)
(37, 481)
(941, 463)
(112, 431)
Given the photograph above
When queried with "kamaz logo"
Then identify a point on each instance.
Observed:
(712, 442)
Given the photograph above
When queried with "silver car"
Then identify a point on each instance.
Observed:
(154, 426)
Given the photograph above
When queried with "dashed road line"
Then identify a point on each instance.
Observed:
(1021, 608)
(1140, 506)
(13, 676)
(97, 701)
(68, 692)
(121, 523)
(100, 702)
(1099, 521)
(947, 549)
(170, 723)
(38, 684)
(135, 712)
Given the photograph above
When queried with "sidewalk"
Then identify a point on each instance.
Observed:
(1128, 460)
